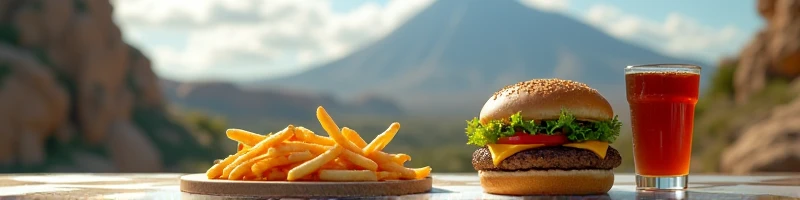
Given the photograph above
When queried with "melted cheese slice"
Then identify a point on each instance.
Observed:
(597, 147)
(502, 151)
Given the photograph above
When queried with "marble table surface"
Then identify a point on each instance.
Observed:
(446, 186)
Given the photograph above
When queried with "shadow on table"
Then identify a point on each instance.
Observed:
(440, 190)
(687, 195)
(646, 195)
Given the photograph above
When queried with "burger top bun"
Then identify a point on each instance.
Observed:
(543, 99)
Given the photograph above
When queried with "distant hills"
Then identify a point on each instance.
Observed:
(229, 100)
(451, 56)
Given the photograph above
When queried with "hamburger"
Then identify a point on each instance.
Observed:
(545, 137)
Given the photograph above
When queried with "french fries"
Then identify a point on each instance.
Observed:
(298, 154)
(333, 130)
(246, 138)
(360, 160)
(260, 148)
(422, 171)
(401, 158)
(384, 175)
(382, 140)
(353, 136)
(260, 166)
(314, 164)
(307, 135)
(216, 170)
(276, 175)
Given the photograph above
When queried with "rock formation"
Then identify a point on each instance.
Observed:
(775, 50)
(771, 144)
(73, 92)
(32, 106)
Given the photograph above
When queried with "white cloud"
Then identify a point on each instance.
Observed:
(677, 35)
(548, 5)
(138, 12)
(220, 33)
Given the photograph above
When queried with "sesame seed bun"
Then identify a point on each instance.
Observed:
(547, 182)
(543, 99)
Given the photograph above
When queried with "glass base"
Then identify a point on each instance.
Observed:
(662, 182)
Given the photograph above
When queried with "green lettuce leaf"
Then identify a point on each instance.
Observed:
(479, 134)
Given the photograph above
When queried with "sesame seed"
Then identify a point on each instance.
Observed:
(542, 86)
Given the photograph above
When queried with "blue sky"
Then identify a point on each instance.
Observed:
(237, 40)
(349, 5)
(716, 13)
(712, 12)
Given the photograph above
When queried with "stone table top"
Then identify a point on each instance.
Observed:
(445, 186)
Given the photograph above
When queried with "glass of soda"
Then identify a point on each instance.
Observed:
(662, 100)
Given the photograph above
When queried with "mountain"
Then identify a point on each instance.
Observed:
(229, 100)
(453, 55)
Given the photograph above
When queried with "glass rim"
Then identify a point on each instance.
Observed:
(667, 66)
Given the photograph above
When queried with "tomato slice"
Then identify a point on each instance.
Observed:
(524, 138)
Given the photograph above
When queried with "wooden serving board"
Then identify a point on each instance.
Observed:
(200, 184)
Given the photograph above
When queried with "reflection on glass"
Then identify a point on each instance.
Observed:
(676, 195)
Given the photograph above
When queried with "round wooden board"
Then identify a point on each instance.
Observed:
(200, 184)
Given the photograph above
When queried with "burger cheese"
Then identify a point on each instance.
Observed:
(503, 151)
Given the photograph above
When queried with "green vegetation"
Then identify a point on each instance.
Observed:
(55, 156)
(479, 134)
(175, 142)
(80, 6)
(209, 132)
(8, 34)
(719, 119)
(5, 70)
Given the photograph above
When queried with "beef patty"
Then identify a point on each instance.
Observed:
(553, 157)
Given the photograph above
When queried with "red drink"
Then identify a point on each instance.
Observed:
(662, 100)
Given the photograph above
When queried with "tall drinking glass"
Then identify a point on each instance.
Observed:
(662, 98)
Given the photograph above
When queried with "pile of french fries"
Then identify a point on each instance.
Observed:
(299, 154)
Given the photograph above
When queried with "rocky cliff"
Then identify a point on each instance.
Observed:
(75, 97)
(775, 50)
(761, 122)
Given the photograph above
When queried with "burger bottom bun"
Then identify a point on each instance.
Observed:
(547, 182)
